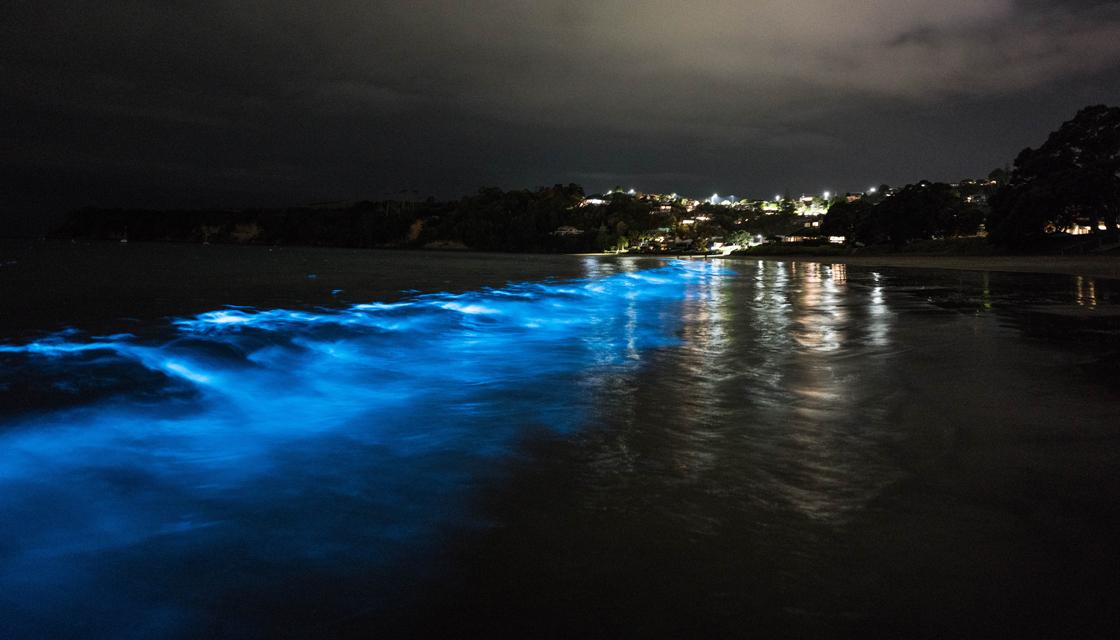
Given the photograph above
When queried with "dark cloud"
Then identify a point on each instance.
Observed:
(271, 102)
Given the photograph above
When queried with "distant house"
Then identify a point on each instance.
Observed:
(566, 231)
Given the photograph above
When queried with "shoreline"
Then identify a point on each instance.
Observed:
(1094, 266)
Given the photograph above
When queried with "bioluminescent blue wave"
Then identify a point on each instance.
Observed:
(155, 480)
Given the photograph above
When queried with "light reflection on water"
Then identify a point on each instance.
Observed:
(1086, 291)
(796, 368)
(738, 416)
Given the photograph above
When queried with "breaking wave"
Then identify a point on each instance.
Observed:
(286, 442)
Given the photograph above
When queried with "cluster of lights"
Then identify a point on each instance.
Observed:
(715, 199)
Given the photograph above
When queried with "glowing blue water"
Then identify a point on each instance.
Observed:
(158, 480)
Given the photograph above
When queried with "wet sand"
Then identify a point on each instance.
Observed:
(1096, 266)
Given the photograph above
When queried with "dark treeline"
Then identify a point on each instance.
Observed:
(1069, 185)
(1073, 179)
(922, 211)
(491, 220)
(549, 219)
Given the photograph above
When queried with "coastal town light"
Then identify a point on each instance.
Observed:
(872, 190)
(827, 195)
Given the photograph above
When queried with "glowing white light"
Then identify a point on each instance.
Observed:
(470, 309)
(179, 369)
(226, 317)
(827, 195)
(777, 198)
(872, 190)
(632, 192)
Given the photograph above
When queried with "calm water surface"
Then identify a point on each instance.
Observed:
(403, 444)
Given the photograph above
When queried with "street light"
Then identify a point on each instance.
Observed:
(827, 195)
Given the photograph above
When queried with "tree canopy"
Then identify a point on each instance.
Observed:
(915, 212)
(1072, 179)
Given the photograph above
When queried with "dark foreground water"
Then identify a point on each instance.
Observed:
(378, 444)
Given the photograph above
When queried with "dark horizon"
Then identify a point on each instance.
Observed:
(223, 104)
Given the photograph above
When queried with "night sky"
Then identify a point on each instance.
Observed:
(239, 103)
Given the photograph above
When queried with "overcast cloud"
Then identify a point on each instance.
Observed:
(203, 103)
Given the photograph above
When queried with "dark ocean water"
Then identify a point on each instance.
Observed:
(204, 441)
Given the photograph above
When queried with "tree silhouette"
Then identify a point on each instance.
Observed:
(1073, 178)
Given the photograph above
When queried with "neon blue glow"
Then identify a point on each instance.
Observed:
(331, 440)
